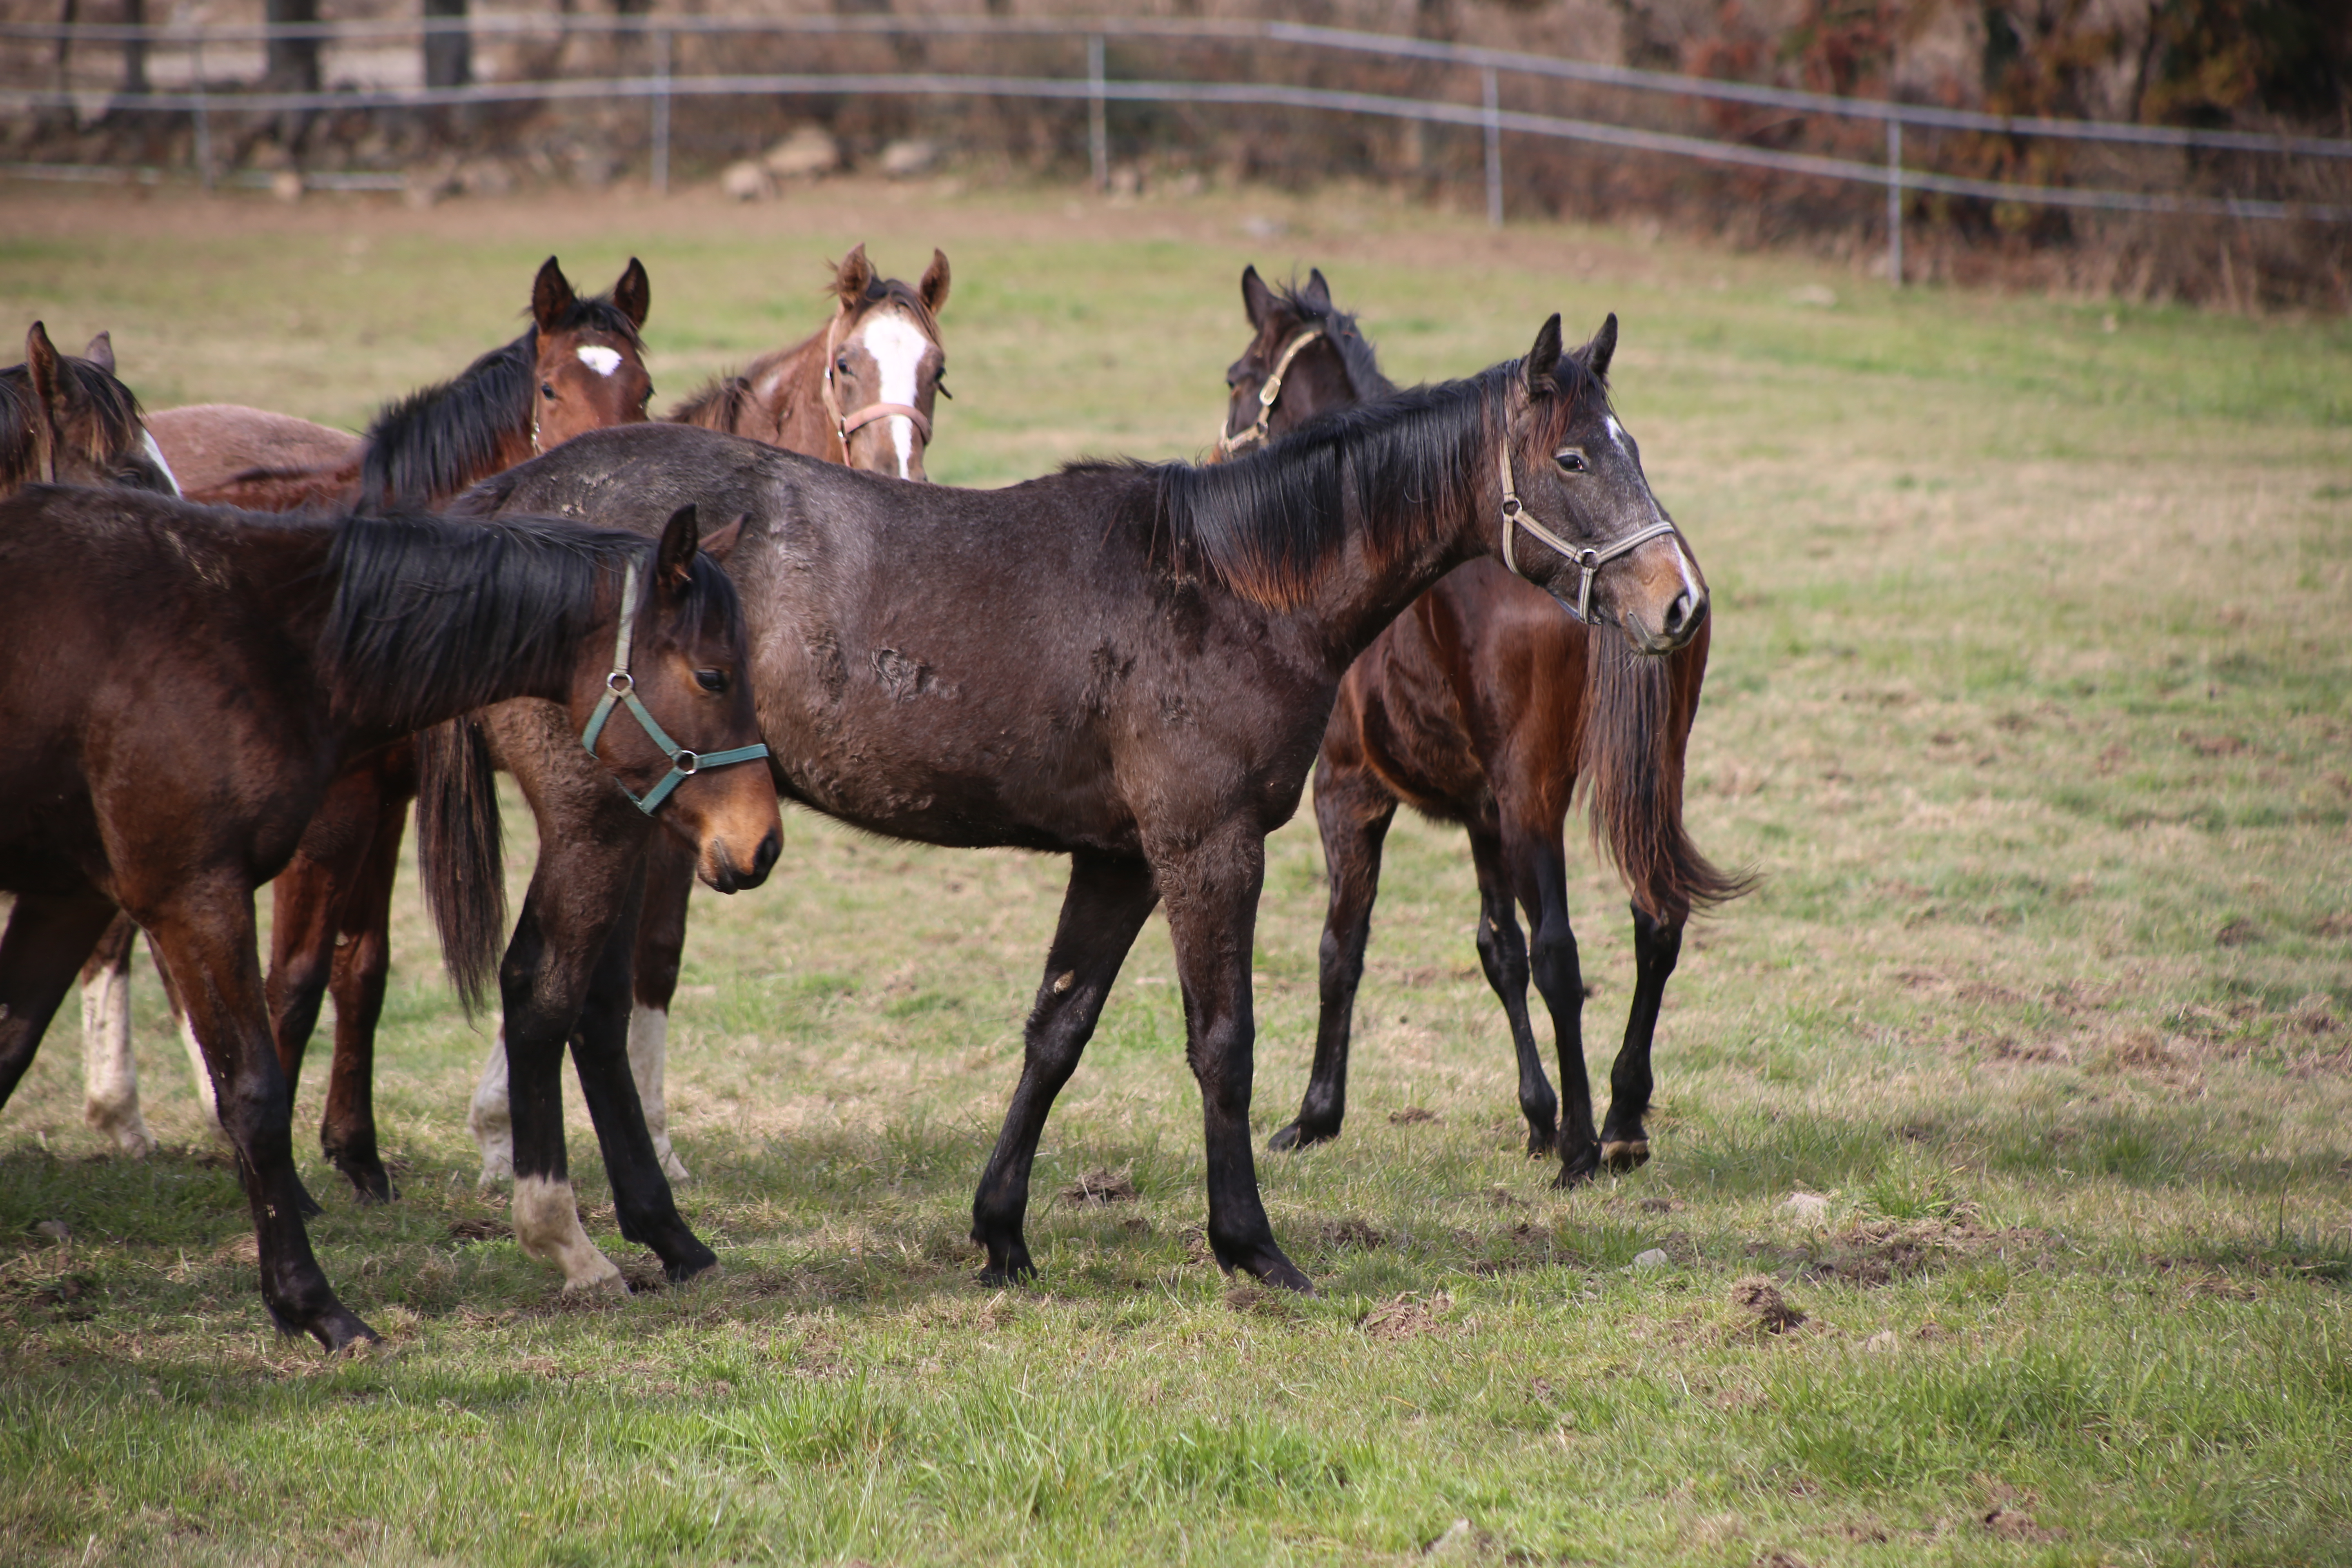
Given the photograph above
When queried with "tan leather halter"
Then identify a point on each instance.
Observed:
(1587, 559)
(848, 425)
(1233, 445)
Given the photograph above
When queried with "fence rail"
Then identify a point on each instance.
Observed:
(661, 86)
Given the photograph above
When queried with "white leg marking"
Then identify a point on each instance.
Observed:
(602, 360)
(109, 1073)
(649, 1054)
(489, 1119)
(156, 453)
(547, 1223)
(203, 1074)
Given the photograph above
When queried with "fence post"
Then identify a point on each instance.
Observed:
(204, 117)
(1494, 150)
(1097, 129)
(1895, 203)
(661, 111)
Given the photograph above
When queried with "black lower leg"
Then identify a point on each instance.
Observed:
(1657, 944)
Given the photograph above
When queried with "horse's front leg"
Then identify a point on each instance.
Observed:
(1657, 945)
(1212, 888)
(661, 943)
(47, 940)
(109, 1070)
(1106, 903)
(1503, 954)
(1353, 810)
(206, 935)
(601, 1052)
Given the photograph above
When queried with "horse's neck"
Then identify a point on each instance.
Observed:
(788, 393)
(1358, 595)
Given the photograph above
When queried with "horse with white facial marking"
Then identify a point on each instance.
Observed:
(882, 344)
(860, 391)
(579, 366)
(1128, 664)
(1483, 705)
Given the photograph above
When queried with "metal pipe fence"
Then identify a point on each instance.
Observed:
(660, 85)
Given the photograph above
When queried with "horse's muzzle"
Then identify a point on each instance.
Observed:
(721, 872)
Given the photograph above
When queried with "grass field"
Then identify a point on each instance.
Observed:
(2031, 702)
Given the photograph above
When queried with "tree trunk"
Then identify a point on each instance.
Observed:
(293, 62)
(134, 51)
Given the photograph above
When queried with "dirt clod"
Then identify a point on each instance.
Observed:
(1102, 1186)
(1762, 1301)
(1406, 1317)
(1413, 1114)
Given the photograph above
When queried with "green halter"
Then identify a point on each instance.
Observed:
(619, 687)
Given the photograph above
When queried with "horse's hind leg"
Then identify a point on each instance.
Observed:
(1657, 944)
(363, 961)
(1353, 812)
(206, 936)
(46, 943)
(109, 1071)
(1503, 954)
(1106, 903)
(1542, 873)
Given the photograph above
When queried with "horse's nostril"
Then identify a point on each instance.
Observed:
(764, 860)
(1683, 612)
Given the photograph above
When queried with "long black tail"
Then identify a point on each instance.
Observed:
(460, 852)
(1637, 725)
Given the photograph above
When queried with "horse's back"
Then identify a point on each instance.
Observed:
(224, 450)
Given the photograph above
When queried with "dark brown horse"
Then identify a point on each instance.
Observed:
(579, 366)
(1482, 705)
(68, 420)
(178, 768)
(1127, 663)
(858, 391)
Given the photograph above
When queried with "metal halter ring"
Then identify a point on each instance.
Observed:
(621, 686)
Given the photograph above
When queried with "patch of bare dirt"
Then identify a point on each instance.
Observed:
(1764, 1310)
(1354, 1233)
(2212, 745)
(2239, 933)
(1880, 1252)
(1413, 1115)
(1406, 1317)
(1102, 1186)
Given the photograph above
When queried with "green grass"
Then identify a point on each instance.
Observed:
(2031, 700)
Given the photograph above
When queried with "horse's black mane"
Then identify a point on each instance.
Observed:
(436, 440)
(116, 428)
(1267, 523)
(432, 615)
(1356, 355)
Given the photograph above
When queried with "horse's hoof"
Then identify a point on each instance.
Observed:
(1298, 1135)
(1269, 1265)
(1541, 1145)
(304, 1204)
(341, 1331)
(1625, 1155)
(690, 1264)
(1571, 1178)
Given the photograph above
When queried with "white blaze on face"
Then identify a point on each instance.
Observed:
(1683, 560)
(602, 360)
(897, 347)
(156, 453)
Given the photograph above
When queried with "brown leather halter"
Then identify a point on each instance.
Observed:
(848, 425)
(1234, 446)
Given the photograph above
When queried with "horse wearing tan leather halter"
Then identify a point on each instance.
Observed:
(1483, 705)
(860, 391)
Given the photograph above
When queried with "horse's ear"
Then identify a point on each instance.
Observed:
(718, 546)
(934, 286)
(550, 296)
(673, 557)
(1318, 293)
(1258, 299)
(851, 278)
(41, 364)
(1596, 354)
(1544, 358)
(634, 293)
(100, 351)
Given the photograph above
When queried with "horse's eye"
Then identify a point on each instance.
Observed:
(842, 364)
(547, 390)
(1571, 460)
(712, 680)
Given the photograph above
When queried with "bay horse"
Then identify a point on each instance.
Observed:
(182, 763)
(858, 391)
(1128, 664)
(68, 420)
(579, 365)
(1482, 705)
